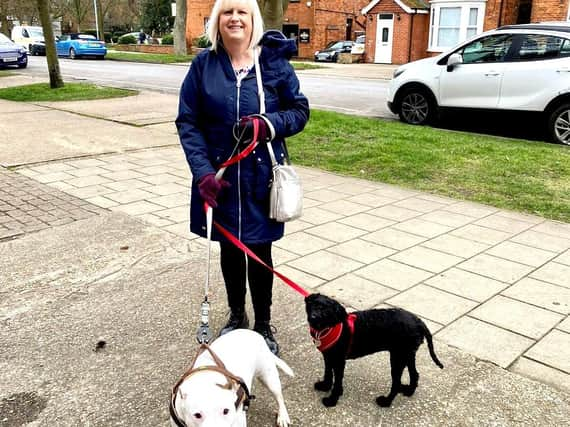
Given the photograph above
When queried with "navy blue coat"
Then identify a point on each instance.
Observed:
(210, 103)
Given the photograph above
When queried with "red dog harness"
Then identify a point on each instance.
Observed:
(326, 338)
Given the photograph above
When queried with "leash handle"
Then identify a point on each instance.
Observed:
(204, 334)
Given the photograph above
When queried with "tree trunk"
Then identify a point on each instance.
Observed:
(273, 12)
(180, 47)
(55, 79)
(100, 27)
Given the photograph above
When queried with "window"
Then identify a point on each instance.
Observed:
(454, 22)
(536, 47)
(485, 50)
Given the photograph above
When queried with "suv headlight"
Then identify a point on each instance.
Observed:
(398, 72)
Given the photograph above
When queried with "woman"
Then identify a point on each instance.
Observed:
(218, 105)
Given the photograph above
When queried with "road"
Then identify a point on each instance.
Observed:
(365, 97)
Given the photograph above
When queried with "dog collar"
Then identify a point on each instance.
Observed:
(327, 337)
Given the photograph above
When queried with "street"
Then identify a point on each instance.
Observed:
(367, 96)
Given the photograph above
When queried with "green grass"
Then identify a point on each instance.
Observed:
(69, 92)
(525, 176)
(155, 58)
(305, 66)
(162, 58)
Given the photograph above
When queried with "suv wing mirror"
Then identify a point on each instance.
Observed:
(454, 60)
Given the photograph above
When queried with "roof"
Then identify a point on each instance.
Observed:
(561, 27)
(409, 6)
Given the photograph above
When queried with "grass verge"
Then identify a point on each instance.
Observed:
(155, 58)
(520, 175)
(162, 58)
(70, 92)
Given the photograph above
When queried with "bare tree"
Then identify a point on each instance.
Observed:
(55, 79)
(180, 28)
(24, 11)
(79, 9)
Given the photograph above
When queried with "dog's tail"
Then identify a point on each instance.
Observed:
(283, 366)
(427, 335)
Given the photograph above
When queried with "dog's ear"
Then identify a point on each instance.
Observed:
(339, 311)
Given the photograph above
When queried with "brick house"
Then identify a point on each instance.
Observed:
(313, 23)
(399, 31)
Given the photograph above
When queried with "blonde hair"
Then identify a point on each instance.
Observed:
(213, 30)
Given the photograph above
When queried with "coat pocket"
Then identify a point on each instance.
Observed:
(263, 179)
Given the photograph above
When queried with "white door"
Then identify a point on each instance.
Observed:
(384, 33)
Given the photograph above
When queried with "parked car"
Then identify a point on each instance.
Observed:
(331, 51)
(12, 53)
(517, 68)
(78, 45)
(27, 35)
(38, 48)
(358, 46)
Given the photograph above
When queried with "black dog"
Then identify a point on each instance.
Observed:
(341, 336)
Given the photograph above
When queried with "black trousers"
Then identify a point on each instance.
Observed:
(233, 263)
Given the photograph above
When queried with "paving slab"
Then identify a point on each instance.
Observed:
(516, 316)
(553, 350)
(138, 289)
(485, 341)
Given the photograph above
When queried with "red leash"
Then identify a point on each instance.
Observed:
(234, 239)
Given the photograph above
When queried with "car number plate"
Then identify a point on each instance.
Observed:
(11, 59)
(94, 45)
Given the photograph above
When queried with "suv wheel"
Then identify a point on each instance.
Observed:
(559, 124)
(416, 107)
(72, 54)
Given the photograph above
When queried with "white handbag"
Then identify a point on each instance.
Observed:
(286, 194)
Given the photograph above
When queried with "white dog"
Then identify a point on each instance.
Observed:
(210, 398)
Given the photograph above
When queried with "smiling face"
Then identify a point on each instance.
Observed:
(235, 23)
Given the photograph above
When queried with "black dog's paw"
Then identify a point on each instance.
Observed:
(407, 390)
(383, 401)
(329, 401)
(323, 386)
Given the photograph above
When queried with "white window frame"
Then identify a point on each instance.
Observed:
(466, 6)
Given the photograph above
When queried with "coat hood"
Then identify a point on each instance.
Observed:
(278, 44)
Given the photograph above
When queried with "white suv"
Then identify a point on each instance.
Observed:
(513, 68)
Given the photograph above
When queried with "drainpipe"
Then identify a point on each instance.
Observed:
(410, 39)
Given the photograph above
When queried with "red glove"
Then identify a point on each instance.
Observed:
(243, 130)
(209, 187)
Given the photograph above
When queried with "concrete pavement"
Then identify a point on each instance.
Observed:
(95, 246)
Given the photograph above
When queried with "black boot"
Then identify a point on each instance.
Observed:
(238, 320)
(264, 329)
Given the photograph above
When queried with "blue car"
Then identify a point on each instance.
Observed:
(78, 45)
(11, 53)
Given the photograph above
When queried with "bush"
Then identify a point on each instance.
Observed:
(168, 39)
(127, 40)
(201, 41)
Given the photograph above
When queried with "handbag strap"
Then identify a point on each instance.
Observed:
(261, 95)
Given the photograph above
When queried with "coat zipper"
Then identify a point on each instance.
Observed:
(238, 85)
